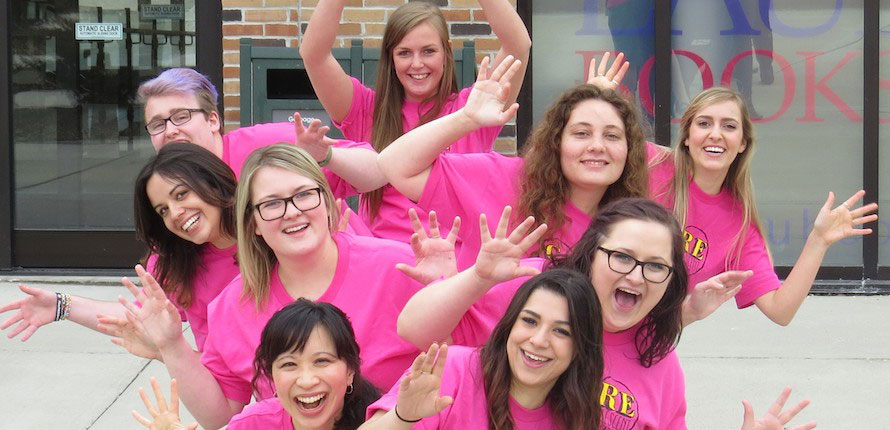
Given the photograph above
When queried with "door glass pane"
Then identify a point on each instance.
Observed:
(884, 132)
(568, 33)
(78, 137)
(798, 64)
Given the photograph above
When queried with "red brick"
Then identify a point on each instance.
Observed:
(265, 15)
(285, 3)
(456, 14)
(232, 101)
(395, 3)
(282, 30)
(233, 115)
(483, 44)
(479, 15)
(350, 29)
(232, 87)
(231, 72)
(231, 58)
(232, 4)
(363, 15)
(294, 16)
(374, 29)
(230, 44)
(373, 42)
(242, 30)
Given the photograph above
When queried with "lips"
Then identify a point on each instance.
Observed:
(296, 228)
(626, 299)
(310, 405)
(595, 163)
(191, 222)
(418, 76)
(533, 360)
(714, 149)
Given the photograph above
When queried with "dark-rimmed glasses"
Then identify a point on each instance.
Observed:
(303, 201)
(622, 263)
(178, 118)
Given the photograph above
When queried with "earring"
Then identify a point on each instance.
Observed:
(349, 389)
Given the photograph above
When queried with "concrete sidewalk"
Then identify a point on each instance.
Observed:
(836, 353)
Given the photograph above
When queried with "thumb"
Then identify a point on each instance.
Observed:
(443, 402)
(748, 417)
(411, 272)
(829, 202)
(526, 271)
(28, 290)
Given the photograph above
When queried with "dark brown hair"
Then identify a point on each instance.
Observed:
(544, 188)
(213, 181)
(573, 399)
(660, 330)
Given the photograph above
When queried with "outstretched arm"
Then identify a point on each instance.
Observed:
(515, 40)
(39, 308)
(831, 225)
(331, 83)
(775, 418)
(433, 312)
(407, 162)
(708, 295)
(201, 393)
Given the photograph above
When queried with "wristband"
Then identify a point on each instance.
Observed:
(327, 158)
(396, 410)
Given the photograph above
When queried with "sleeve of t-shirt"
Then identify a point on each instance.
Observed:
(755, 257)
(357, 123)
(339, 187)
(459, 182)
(675, 414)
(232, 386)
(481, 140)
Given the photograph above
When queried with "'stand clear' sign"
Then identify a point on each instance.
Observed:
(161, 11)
(98, 31)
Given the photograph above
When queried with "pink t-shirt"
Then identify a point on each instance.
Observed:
(218, 268)
(462, 379)
(265, 415)
(366, 286)
(636, 397)
(392, 220)
(633, 397)
(468, 185)
(711, 224)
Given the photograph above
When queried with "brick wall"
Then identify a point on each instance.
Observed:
(282, 23)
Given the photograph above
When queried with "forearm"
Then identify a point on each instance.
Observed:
(84, 311)
(358, 167)
(331, 83)
(511, 32)
(198, 389)
(781, 305)
(321, 32)
(406, 162)
(433, 313)
(687, 315)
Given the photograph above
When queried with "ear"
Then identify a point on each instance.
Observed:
(743, 147)
(351, 377)
(214, 121)
(256, 228)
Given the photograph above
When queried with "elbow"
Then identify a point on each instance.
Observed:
(405, 331)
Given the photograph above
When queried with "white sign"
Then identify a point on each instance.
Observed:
(98, 31)
(161, 11)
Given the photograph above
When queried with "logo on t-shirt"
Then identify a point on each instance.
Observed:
(695, 243)
(620, 409)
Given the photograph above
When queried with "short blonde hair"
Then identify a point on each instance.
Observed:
(255, 257)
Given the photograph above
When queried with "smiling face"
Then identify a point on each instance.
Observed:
(419, 61)
(540, 346)
(715, 140)
(297, 232)
(628, 298)
(202, 129)
(312, 383)
(593, 147)
(183, 211)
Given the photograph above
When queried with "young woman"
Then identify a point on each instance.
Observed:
(633, 254)
(537, 371)
(416, 83)
(287, 250)
(184, 211)
(587, 150)
(309, 353)
(706, 180)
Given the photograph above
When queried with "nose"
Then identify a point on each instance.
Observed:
(176, 209)
(714, 133)
(307, 379)
(416, 61)
(171, 129)
(596, 144)
(291, 213)
(636, 275)
(540, 338)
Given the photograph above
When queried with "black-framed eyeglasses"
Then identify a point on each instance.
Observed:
(622, 263)
(178, 118)
(303, 201)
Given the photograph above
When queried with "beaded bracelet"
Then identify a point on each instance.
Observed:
(63, 306)
(67, 306)
(58, 307)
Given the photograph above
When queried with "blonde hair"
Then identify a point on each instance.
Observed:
(181, 80)
(255, 257)
(390, 95)
(738, 179)
(544, 189)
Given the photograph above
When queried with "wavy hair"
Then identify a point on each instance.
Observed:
(573, 399)
(661, 328)
(390, 95)
(208, 177)
(544, 188)
(256, 258)
(738, 179)
(289, 331)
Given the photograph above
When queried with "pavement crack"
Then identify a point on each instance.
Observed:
(121, 393)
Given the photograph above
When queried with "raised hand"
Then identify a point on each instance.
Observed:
(344, 216)
(165, 417)
(775, 419)
(34, 311)
(832, 225)
(158, 319)
(313, 139)
(708, 295)
(126, 333)
(499, 256)
(433, 255)
(607, 79)
(419, 390)
(486, 104)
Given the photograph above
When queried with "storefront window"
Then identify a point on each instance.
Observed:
(884, 133)
(798, 64)
(78, 137)
(568, 33)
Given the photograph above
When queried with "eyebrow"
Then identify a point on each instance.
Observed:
(535, 314)
(587, 124)
(721, 120)
(274, 196)
(172, 191)
(653, 260)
